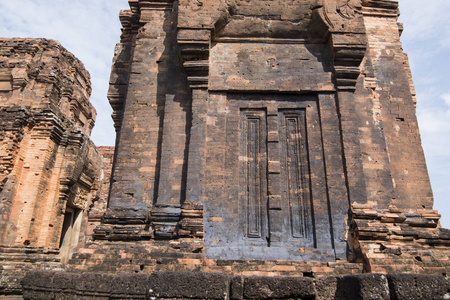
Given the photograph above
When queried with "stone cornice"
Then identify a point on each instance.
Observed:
(341, 23)
(387, 4)
(48, 122)
(385, 8)
(194, 47)
(155, 4)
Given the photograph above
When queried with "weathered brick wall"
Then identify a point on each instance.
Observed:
(49, 167)
(153, 134)
(98, 207)
(392, 153)
(293, 113)
(395, 241)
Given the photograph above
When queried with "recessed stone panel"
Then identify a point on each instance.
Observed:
(263, 66)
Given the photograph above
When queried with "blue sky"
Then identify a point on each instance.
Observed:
(91, 28)
(426, 40)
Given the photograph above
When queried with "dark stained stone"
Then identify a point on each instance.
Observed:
(278, 288)
(418, 287)
(362, 287)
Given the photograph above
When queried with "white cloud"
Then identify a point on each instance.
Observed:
(446, 98)
(87, 28)
(425, 20)
(427, 44)
(435, 130)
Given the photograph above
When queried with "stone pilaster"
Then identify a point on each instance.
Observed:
(342, 25)
(139, 157)
(194, 45)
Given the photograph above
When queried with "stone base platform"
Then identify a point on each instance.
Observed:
(201, 285)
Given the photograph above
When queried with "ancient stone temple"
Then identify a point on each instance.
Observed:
(49, 169)
(266, 149)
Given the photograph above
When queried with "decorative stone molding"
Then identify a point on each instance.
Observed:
(348, 53)
(344, 28)
(118, 83)
(385, 8)
(346, 9)
(194, 47)
(380, 8)
(386, 4)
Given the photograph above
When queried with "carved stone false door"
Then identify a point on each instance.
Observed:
(275, 180)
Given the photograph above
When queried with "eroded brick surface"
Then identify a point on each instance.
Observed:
(49, 169)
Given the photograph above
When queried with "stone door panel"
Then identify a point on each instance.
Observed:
(294, 175)
(253, 171)
(266, 182)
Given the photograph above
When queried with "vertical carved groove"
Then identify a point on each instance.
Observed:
(294, 178)
(254, 180)
(296, 168)
(253, 150)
